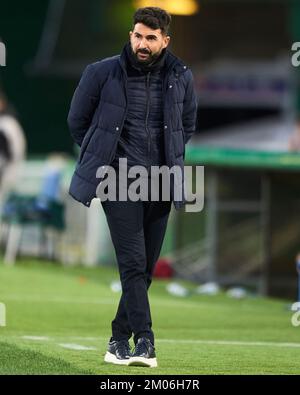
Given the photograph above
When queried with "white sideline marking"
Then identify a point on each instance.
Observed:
(231, 343)
(185, 341)
(27, 298)
(38, 338)
(2, 314)
(100, 301)
(78, 347)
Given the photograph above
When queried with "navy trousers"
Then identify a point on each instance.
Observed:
(137, 231)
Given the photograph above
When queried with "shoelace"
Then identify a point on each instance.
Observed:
(142, 347)
(124, 347)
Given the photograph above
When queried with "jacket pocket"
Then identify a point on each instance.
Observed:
(86, 141)
(178, 143)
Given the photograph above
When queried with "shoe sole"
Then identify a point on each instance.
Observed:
(140, 361)
(111, 358)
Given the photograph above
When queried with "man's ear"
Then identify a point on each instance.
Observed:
(167, 41)
(130, 34)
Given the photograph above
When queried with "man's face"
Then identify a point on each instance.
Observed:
(146, 43)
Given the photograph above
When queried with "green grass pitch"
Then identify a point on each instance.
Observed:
(50, 307)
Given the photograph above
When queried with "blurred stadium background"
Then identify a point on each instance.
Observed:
(63, 289)
(240, 52)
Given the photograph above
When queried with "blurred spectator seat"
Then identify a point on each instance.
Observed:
(44, 210)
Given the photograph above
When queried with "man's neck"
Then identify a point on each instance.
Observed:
(156, 65)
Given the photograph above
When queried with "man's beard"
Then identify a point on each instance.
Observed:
(151, 59)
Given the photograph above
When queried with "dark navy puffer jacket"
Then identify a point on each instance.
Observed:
(142, 137)
(98, 112)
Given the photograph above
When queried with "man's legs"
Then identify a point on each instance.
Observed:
(137, 231)
(125, 220)
(155, 225)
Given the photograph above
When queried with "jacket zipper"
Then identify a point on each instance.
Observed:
(147, 116)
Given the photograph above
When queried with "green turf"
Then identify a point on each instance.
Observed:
(75, 305)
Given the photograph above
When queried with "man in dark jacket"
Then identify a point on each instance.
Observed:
(141, 106)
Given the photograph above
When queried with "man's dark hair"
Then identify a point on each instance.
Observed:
(153, 17)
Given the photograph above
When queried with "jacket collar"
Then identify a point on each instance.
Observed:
(172, 62)
(132, 63)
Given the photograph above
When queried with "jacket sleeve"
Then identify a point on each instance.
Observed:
(189, 113)
(83, 104)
